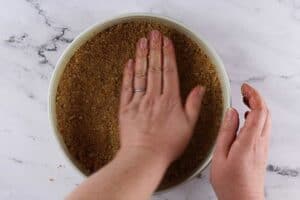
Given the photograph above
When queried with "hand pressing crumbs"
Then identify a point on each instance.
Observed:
(87, 99)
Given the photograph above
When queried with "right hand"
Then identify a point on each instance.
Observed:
(239, 162)
(153, 119)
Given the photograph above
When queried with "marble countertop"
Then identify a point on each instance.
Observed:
(259, 42)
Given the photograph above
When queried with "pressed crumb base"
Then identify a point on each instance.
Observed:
(88, 97)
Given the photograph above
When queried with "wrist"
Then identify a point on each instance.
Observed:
(143, 155)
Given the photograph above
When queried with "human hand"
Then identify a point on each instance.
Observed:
(239, 162)
(152, 117)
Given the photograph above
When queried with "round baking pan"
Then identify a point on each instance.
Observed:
(92, 31)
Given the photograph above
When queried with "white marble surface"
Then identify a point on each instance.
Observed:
(259, 42)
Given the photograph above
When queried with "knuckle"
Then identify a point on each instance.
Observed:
(256, 123)
(169, 102)
(127, 88)
(262, 113)
(133, 106)
(165, 100)
(169, 69)
(124, 111)
(128, 72)
(155, 69)
(260, 104)
(148, 102)
(140, 75)
(155, 46)
(142, 53)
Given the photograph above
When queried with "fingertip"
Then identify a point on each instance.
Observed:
(252, 98)
(155, 38)
(167, 42)
(143, 43)
(235, 113)
(193, 103)
(245, 90)
(248, 91)
(129, 67)
(201, 90)
(168, 53)
(230, 114)
(154, 34)
(141, 48)
(198, 92)
(129, 63)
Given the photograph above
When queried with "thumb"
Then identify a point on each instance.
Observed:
(193, 103)
(227, 133)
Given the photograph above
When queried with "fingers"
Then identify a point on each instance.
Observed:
(227, 133)
(155, 64)
(170, 74)
(157, 70)
(256, 117)
(140, 68)
(193, 104)
(127, 85)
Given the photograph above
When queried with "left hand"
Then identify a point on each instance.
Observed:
(239, 162)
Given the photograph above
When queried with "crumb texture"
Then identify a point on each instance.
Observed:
(88, 97)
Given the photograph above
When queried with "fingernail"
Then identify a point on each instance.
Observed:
(130, 63)
(155, 35)
(245, 89)
(202, 89)
(166, 41)
(143, 43)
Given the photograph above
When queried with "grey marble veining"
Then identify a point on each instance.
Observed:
(257, 40)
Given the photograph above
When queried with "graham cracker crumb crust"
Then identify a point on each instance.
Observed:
(88, 93)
